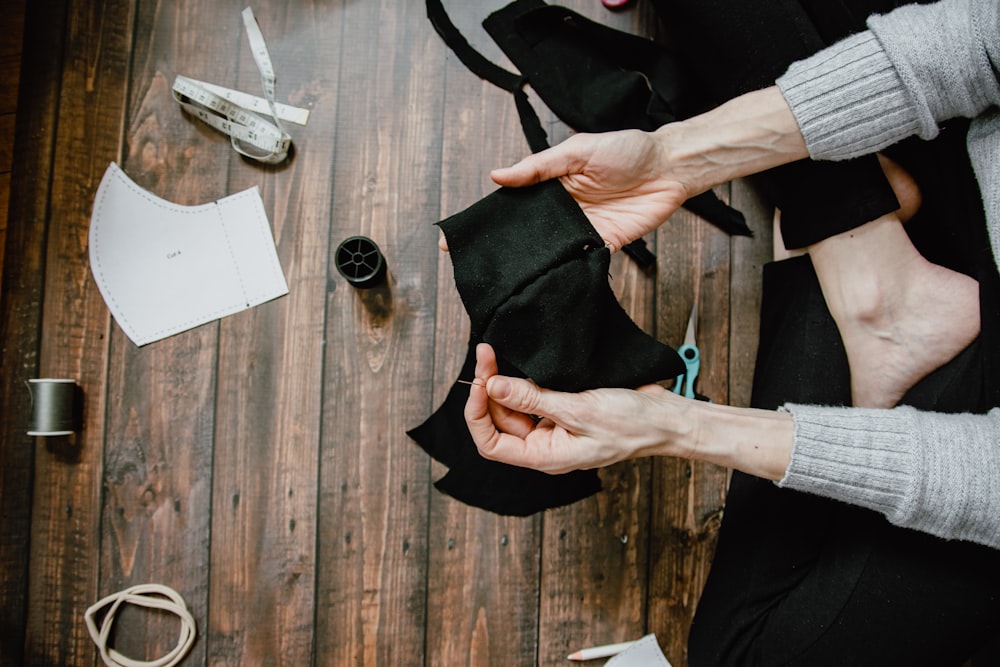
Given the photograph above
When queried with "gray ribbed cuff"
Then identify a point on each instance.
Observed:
(849, 100)
(960, 489)
(856, 455)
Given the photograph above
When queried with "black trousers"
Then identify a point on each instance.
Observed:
(798, 579)
(803, 580)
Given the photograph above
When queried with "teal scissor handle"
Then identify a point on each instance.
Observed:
(684, 383)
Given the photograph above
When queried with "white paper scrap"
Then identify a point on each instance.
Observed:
(645, 652)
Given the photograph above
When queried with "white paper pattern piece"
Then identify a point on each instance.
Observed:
(645, 652)
(164, 268)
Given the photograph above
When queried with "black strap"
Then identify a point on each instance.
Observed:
(484, 69)
(471, 58)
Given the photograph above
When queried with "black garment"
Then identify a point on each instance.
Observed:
(802, 580)
(734, 47)
(533, 276)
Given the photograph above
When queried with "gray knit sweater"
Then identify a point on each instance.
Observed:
(912, 68)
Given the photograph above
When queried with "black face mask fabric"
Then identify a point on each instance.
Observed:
(593, 77)
(533, 276)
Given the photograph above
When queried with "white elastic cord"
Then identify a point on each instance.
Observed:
(144, 595)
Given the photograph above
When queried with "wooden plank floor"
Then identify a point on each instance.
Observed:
(259, 465)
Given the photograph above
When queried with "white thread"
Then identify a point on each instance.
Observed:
(239, 115)
(144, 595)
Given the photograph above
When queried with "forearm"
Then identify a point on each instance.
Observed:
(757, 442)
(749, 134)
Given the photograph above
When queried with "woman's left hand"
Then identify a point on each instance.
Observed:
(514, 421)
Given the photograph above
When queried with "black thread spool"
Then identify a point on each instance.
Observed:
(54, 407)
(360, 262)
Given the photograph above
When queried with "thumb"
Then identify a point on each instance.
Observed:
(550, 163)
(518, 395)
(525, 172)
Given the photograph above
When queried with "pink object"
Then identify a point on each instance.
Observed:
(615, 4)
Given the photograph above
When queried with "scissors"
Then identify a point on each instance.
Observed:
(684, 383)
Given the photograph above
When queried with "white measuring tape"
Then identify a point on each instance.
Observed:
(241, 116)
(143, 595)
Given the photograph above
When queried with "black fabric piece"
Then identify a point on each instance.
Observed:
(533, 276)
(594, 78)
(802, 580)
(640, 254)
(484, 69)
(597, 79)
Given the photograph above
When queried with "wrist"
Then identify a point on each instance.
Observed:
(757, 442)
(751, 133)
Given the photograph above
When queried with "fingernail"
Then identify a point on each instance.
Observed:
(499, 387)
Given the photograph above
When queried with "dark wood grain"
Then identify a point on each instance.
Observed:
(20, 315)
(66, 508)
(371, 583)
(159, 450)
(271, 371)
(482, 602)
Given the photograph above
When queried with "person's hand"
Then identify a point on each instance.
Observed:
(514, 421)
(621, 180)
(629, 182)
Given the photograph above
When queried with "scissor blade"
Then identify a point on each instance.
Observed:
(692, 327)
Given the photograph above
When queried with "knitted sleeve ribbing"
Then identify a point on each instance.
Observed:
(914, 67)
(938, 473)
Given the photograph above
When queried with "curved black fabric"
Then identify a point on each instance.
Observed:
(594, 78)
(489, 485)
(533, 276)
(598, 79)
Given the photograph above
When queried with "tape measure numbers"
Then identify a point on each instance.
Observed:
(243, 117)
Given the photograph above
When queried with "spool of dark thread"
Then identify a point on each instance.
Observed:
(360, 262)
(54, 410)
